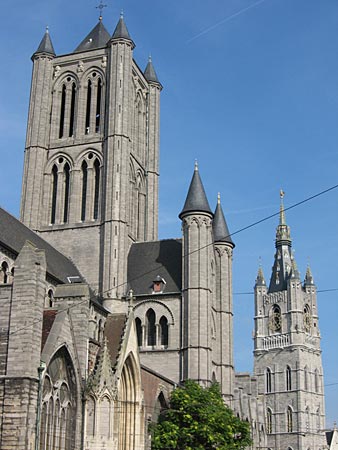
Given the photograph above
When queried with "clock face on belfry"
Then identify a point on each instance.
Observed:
(307, 320)
(275, 321)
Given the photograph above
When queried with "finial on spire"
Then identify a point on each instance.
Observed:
(149, 59)
(121, 14)
(218, 198)
(100, 7)
(47, 29)
(196, 165)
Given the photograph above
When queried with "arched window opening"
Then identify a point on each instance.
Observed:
(4, 273)
(50, 296)
(62, 111)
(98, 106)
(90, 417)
(269, 421)
(164, 331)
(289, 420)
(89, 100)
(160, 406)
(307, 418)
(151, 327)
(316, 381)
(67, 186)
(276, 320)
(58, 409)
(54, 192)
(306, 379)
(96, 188)
(307, 319)
(318, 419)
(84, 172)
(288, 378)
(138, 324)
(72, 111)
(268, 380)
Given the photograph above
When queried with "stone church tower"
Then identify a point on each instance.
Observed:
(92, 154)
(287, 354)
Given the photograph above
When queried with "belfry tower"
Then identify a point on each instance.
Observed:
(287, 354)
(90, 184)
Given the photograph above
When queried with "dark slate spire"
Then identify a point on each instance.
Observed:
(196, 200)
(150, 73)
(283, 264)
(97, 38)
(219, 225)
(308, 277)
(121, 30)
(260, 280)
(46, 45)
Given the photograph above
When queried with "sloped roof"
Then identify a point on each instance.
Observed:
(196, 200)
(114, 331)
(97, 38)
(13, 235)
(46, 45)
(47, 323)
(150, 73)
(220, 227)
(121, 30)
(146, 260)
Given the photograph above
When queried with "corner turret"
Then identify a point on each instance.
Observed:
(121, 31)
(150, 72)
(219, 225)
(45, 46)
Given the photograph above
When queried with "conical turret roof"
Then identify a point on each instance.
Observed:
(219, 225)
(308, 277)
(150, 72)
(260, 280)
(196, 200)
(97, 38)
(46, 45)
(121, 30)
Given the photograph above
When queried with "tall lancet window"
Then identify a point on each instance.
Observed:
(84, 172)
(93, 104)
(72, 110)
(164, 331)
(67, 190)
(62, 111)
(151, 327)
(98, 106)
(89, 100)
(289, 420)
(288, 378)
(96, 188)
(54, 192)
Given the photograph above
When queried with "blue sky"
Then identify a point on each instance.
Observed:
(251, 92)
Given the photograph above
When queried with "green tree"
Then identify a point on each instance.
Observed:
(198, 419)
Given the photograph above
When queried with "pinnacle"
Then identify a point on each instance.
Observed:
(196, 200)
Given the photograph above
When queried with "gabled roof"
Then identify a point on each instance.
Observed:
(46, 45)
(14, 234)
(146, 260)
(150, 73)
(219, 226)
(114, 330)
(97, 38)
(196, 200)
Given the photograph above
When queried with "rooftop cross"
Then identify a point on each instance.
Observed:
(100, 7)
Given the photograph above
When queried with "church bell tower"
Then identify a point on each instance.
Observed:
(90, 183)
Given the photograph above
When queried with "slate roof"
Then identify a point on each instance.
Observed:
(13, 235)
(47, 323)
(46, 45)
(121, 30)
(196, 200)
(150, 73)
(97, 38)
(114, 331)
(220, 227)
(146, 260)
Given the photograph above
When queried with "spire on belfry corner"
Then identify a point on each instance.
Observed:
(260, 280)
(150, 72)
(102, 376)
(294, 271)
(121, 30)
(196, 200)
(308, 277)
(97, 38)
(219, 225)
(283, 265)
(46, 45)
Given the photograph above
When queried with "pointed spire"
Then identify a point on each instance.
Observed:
(308, 277)
(121, 30)
(102, 375)
(219, 225)
(97, 38)
(260, 280)
(282, 268)
(196, 200)
(46, 45)
(150, 72)
(294, 271)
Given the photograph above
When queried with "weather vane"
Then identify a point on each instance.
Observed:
(100, 7)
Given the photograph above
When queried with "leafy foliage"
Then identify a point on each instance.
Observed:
(198, 419)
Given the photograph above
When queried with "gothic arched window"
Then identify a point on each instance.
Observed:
(67, 191)
(164, 331)
(307, 320)
(72, 110)
(289, 420)
(93, 104)
(4, 273)
(306, 379)
(62, 111)
(316, 381)
(151, 327)
(89, 100)
(138, 324)
(275, 322)
(98, 106)
(67, 108)
(288, 375)
(268, 421)
(268, 380)
(96, 188)
(84, 173)
(54, 192)
(307, 418)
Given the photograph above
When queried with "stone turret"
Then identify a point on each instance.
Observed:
(197, 256)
